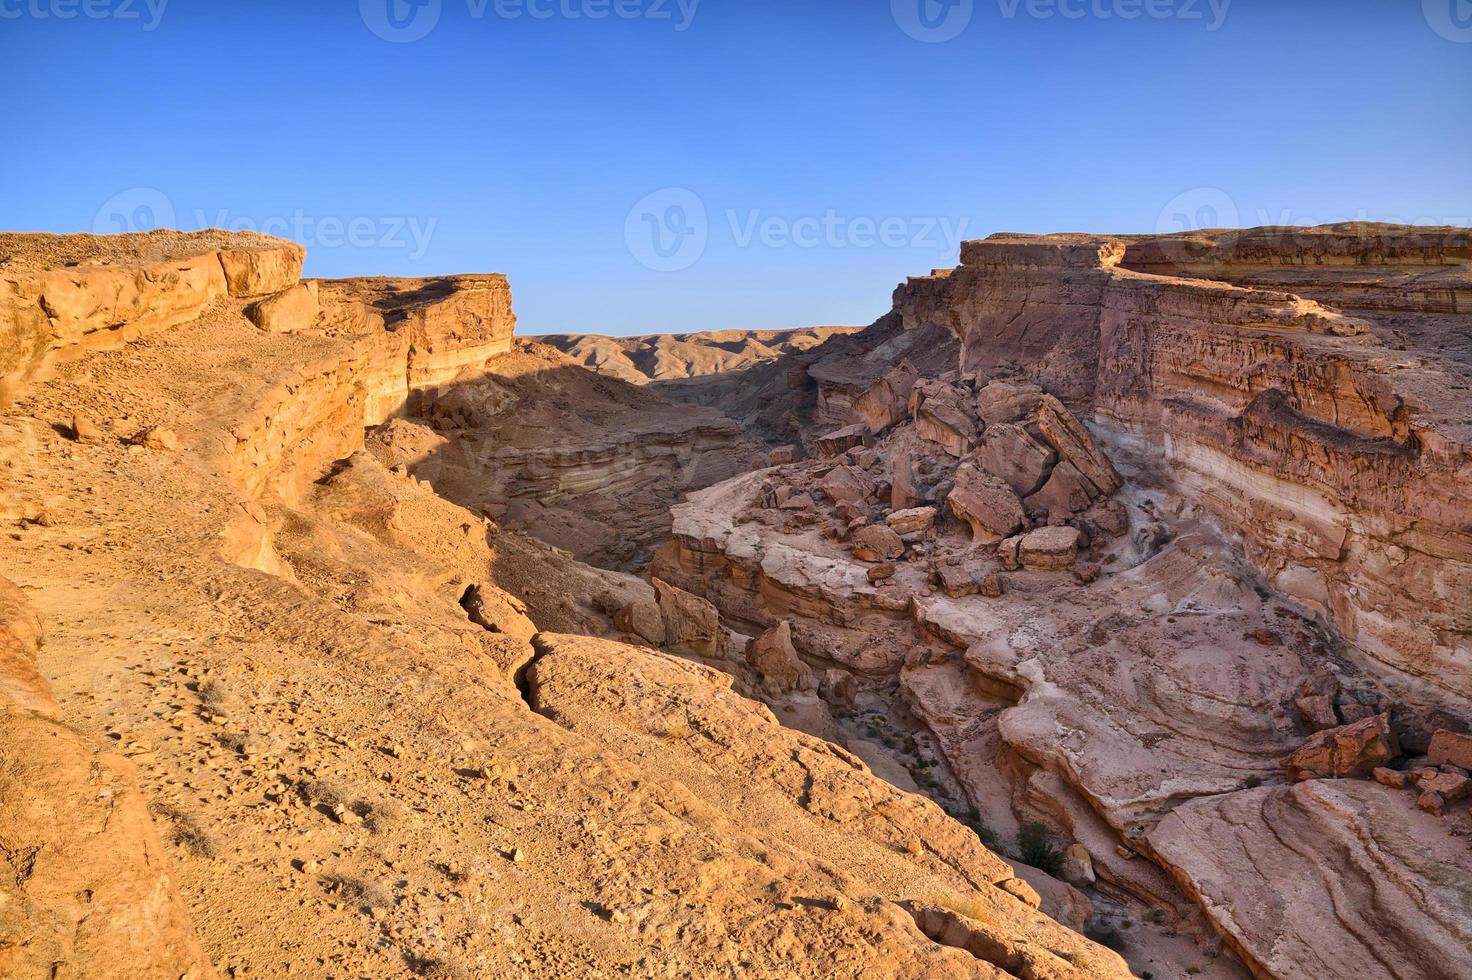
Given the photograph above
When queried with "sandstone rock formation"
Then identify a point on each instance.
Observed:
(1141, 557)
(68, 294)
(1326, 878)
(1299, 425)
(352, 720)
(1131, 410)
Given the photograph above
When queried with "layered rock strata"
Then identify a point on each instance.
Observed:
(332, 719)
(1142, 668)
(1340, 461)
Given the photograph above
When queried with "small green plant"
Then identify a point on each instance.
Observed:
(1254, 781)
(1037, 849)
(1155, 917)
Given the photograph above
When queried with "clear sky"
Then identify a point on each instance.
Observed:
(667, 165)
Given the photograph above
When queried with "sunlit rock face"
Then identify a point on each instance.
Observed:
(1329, 433)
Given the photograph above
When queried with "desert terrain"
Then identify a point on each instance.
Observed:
(1104, 609)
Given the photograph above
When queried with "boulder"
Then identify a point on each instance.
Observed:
(882, 573)
(85, 431)
(790, 499)
(986, 503)
(878, 543)
(1008, 553)
(1451, 787)
(840, 441)
(1008, 451)
(887, 401)
(1350, 750)
(1072, 442)
(1067, 492)
(773, 656)
(942, 417)
(916, 520)
(642, 618)
(1078, 865)
(1393, 778)
(782, 455)
(838, 687)
(1317, 710)
(289, 310)
(846, 485)
(691, 624)
(262, 271)
(1007, 401)
(156, 437)
(957, 581)
(1450, 749)
(1022, 891)
(1049, 549)
(991, 587)
(904, 489)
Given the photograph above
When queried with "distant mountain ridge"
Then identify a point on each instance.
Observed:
(669, 357)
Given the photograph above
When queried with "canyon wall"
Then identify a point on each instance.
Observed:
(369, 759)
(64, 295)
(1334, 445)
(1146, 665)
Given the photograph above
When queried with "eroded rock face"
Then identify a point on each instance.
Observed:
(588, 464)
(77, 292)
(299, 639)
(1162, 672)
(1325, 878)
(676, 357)
(1303, 428)
(1133, 703)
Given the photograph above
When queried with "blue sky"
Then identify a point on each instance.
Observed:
(725, 163)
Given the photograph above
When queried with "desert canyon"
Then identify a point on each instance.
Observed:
(1104, 609)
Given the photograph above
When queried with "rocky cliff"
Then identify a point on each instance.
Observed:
(365, 754)
(1178, 534)
(1333, 445)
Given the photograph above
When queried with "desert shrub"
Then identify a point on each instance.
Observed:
(185, 831)
(380, 815)
(1037, 848)
(366, 895)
